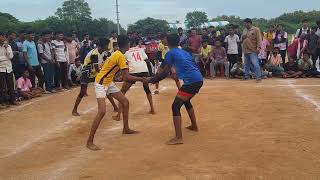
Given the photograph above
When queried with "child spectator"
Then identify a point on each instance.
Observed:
(274, 63)
(263, 54)
(25, 89)
(205, 65)
(291, 69)
(306, 65)
(280, 40)
(232, 45)
(219, 59)
(75, 71)
(237, 70)
(85, 49)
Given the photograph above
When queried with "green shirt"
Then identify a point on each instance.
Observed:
(305, 65)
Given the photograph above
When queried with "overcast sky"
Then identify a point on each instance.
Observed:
(171, 10)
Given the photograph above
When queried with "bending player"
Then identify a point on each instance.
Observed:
(104, 85)
(91, 66)
(188, 71)
(137, 67)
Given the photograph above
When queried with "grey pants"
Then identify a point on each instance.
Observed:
(215, 64)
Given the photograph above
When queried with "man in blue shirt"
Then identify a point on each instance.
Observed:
(31, 59)
(186, 70)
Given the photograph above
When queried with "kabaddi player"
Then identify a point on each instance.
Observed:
(91, 66)
(104, 85)
(186, 70)
(137, 67)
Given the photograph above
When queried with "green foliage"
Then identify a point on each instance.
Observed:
(149, 25)
(196, 19)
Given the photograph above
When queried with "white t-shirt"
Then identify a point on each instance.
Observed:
(136, 60)
(60, 51)
(232, 44)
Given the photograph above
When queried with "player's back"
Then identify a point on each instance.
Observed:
(136, 60)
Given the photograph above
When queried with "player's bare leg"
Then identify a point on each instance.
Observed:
(96, 123)
(193, 126)
(124, 89)
(82, 93)
(149, 97)
(125, 110)
(177, 126)
(157, 89)
(115, 107)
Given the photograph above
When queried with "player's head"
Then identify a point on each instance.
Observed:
(173, 40)
(123, 43)
(102, 44)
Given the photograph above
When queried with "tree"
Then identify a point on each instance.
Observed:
(196, 19)
(149, 25)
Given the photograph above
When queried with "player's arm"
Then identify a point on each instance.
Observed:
(162, 73)
(127, 77)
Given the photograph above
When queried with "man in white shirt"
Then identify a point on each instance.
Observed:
(232, 43)
(6, 73)
(304, 30)
(137, 67)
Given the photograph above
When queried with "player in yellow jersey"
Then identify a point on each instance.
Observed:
(104, 85)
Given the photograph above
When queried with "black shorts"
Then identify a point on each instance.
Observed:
(143, 74)
(190, 90)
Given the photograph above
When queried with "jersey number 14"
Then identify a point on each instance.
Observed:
(136, 56)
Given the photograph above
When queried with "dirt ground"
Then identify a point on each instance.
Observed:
(247, 131)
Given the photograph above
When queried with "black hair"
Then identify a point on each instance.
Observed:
(305, 20)
(193, 29)
(85, 34)
(11, 32)
(2, 34)
(112, 32)
(58, 32)
(247, 20)
(173, 40)
(163, 35)
(102, 42)
(45, 32)
(29, 32)
(85, 42)
(122, 41)
(306, 53)
(180, 28)
(276, 48)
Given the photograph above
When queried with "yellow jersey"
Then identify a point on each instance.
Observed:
(205, 51)
(116, 62)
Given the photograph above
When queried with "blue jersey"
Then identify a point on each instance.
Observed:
(186, 68)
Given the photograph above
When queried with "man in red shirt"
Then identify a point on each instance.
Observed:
(194, 44)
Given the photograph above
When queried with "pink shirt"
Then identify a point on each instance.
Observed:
(275, 61)
(263, 51)
(24, 84)
(194, 43)
(72, 50)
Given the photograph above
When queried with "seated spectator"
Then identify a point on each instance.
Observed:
(25, 89)
(274, 63)
(85, 49)
(74, 73)
(219, 59)
(291, 69)
(237, 70)
(306, 65)
(204, 57)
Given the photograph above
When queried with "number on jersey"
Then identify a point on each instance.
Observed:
(136, 56)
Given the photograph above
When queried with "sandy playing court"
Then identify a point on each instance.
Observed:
(247, 131)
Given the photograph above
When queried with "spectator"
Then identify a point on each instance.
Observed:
(32, 61)
(25, 89)
(237, 70)
(85, 49)
(219, 59)
(275, 62)
(212, 35)
(47, 61)
(232, 44)
(75, 38)
(194, 43)
(223, 34)
(269, 36)
(61, 58)
(6, 73)
(86, 38)
(113, 39)
(304, 30)
(19, 66)
(205, 34)
(291, 69)
(280, 40)
(75, 71)
(183, 37)
(15, 60)
(298, 47)
(73, 49)
(314, 45)
(205, 64)
(251, 39)
(318, 30)
(306, 65)
(263, 54)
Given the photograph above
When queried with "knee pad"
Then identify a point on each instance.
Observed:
(176, 106)
(147, 89)
(188, 105)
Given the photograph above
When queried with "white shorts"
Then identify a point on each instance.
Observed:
(102, 91)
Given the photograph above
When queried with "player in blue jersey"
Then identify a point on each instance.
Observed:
(187, 71)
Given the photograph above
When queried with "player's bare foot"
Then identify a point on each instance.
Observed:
(174, 141)
(92, 147)
(129, 131)
(152, 112)
(192, 128)
(116, 118)
(156, 92)
(75, 113)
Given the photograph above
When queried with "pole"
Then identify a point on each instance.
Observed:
(118, 20)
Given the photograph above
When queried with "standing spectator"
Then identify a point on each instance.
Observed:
(280, 40)
(85, 49)
(15, 60)
(183, 37)
(205, 34)
(32, 61)
(86, 37)
(275, 62)
(47, 60)
(263, 55)
(18, 67)
(74, 73)
(75, 38)
(232, 43)
(73, 49)
(314, 45)
(113, 39)
(269, 36)
(6, 73)
(194, 44)
(212, 35)
(251, 39)
(304, 30)
(61, 58)
(219, 59)
(318, 30)
(298, 47)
